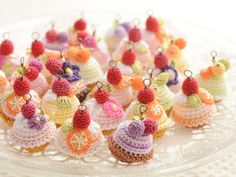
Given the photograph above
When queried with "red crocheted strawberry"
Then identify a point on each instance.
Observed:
(128, 57)
(161, 60)
(51, 35)
(150, 126)
(81, 119)
(53, 65)
(114, 75)
(28, 110)
(80, 25)
(37, 48)
(145, 95)
(31, 73)
(101, 96)
(152, 24)
(135, 34)
(190, 86)
(61, 87)
(6, 47)
(21, 86)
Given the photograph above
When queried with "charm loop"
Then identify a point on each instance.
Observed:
(213, 55)
(147, 82)
(60, 73)
(82, 107)
(160, 49)
(99, 85)
(130, 45)
(27, 97)
(142, 109)
(52, 23)
(35, 35)
(6, 35)
(136, 22)
(113, 63)
(150, 72)
(94, 30)
(149, 12)
(188, 73)
(117, 18)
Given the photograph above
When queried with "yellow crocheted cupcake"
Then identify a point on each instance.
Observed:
(213, 78)
(59, 103)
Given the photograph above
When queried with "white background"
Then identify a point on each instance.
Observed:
(217, 16)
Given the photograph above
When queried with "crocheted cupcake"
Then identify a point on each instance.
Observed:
(97, 47)
(31, 129)
(90, 69)
(175, 53)
(80, 137)
(59, 103)
(8, 59)
(55, 40)
(128, 63)
(195, 106)
(140, 47)
(106, 111)
(146, 96)
(132, 141)
(12, 101)
(38, 82)
(118, 85)
(213, 78)
(152, 26)
(116, 33)
(163, 65)
(4, 84)
(162, 93)
(71, 73)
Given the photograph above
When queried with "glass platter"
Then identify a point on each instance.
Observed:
(180, 149)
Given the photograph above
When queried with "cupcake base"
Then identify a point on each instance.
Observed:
(168, 112)
(125, 156)
(107, 132)
(159, 133)
(191, 123)
(6, 119)
(37, 149)
(91, 86)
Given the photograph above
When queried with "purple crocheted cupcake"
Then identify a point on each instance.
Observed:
(132, 141)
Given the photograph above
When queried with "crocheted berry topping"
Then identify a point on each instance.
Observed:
(150, 126)
(136, 128)
(37, 64)
(31, 73)
(135, 34)
(81, 118)
(61, 87)
(53, 65)
(89, 42)
(62, 37)
(81, 35)
(37, 48)
(80, 25)
(161, 60)
(128, 57)
(101, 95)
(71, 53)
(180, 42)
(114, 75)
(190, 84)
(28, 110)
(51, 35)
(146, 95)
(152, 24)
(83, 55)
(6, 47)
(21, 86)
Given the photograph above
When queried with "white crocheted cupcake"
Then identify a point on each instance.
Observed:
(81, 137)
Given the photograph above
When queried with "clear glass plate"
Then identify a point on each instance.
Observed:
(180, 149)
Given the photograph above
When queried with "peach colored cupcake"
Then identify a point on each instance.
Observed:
(195, 106)
(31, 129)
(106, 111)
(4, 84)
(80, 137)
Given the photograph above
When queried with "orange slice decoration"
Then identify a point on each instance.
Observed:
(14, 103)
(79, 140)
(205, 97)
(154, 110)
(206, 73)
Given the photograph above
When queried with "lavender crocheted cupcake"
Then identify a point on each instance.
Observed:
(31, 130)
(132, 141)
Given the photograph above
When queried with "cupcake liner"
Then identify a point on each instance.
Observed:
(37, 149)
(108, 132)
(125, 156)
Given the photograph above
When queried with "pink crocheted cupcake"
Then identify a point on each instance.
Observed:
(106, 111)
(195, 106)
(31, 129)
(8, 59)
(132, 141)
(81, 137)
(12, 101)
(55, 40)
(140, 47)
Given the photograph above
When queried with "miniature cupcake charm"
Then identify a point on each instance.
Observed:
(59, 103)
(80, 137)
(106, 111)
(132, 141)
(195, 106)
(213, 78)
(31, 129)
